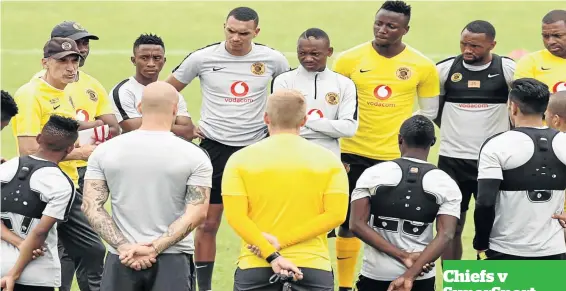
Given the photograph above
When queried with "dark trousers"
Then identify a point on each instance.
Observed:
(80, 248)
(367, 284)
(173, 272)
(494, 255)
(257, 279)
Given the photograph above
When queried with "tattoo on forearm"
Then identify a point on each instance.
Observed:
(96, 194)
(180, 228)
(195, 195)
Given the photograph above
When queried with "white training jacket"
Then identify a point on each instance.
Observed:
(332, 104)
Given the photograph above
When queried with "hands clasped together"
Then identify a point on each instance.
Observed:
(138, 256)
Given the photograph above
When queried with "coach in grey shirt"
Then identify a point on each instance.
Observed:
(160, 187)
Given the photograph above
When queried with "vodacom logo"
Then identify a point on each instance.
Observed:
(239, 89)
(315, 114)
(382, 92)
(82, 115)
(560, 86)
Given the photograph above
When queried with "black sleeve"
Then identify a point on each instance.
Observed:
(441, 102)
(484, 215)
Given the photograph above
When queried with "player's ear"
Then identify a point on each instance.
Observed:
(266, 118)
(493, 44)
(433, 141)
(304, 121)
(330, 51)
(133, 60)
(37, 138)
(44, 63)
(257, 29)
(407, 30)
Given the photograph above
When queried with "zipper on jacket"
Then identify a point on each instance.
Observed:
(315, 76)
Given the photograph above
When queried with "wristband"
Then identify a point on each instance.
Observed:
(272, 257)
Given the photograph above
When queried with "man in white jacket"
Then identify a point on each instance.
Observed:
(332, 103)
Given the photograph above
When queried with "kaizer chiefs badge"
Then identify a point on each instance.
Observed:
(92, 95)
(456, 77)
(258, 68)
(403, 73)
(332, 98)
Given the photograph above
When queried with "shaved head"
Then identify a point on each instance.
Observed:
(556, 111)
(286, 110)
(159, 98)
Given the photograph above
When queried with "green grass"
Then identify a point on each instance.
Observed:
(185, 26)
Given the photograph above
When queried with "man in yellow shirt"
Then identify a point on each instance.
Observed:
(548, 65)
(37, 101)
(388, 75)
(283, 194)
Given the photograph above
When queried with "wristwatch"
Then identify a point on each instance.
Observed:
(272, 257)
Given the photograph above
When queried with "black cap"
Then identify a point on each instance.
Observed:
(60, 47)
(72, 30)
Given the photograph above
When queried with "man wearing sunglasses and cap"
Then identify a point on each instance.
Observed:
(37, 101)
(80, 247)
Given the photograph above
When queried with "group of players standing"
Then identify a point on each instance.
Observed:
(282, 195)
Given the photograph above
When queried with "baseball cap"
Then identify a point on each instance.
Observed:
(72, 30)
(60, 47)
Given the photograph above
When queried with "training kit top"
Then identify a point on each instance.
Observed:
(408, 226)
(332, 104)
(291, 188)
(475, 104)
(234, 90)
(148, 173)
(545, 67)
(37, 101)
(52, 187)
(386, 90)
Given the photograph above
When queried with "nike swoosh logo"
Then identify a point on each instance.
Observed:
(491, 76)
(200, 267)
(216, 69)
(342, 258)
(363, 71)
(55, 107)
(545, 69)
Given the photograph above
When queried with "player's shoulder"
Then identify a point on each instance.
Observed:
(532, 58)
(39, 74)
(446, 63)
(88, 79)
(341, 79)
(203, 51)
(51, 179)
(125, 85)
(287, 75)
(8, 169)
(383, 168)
(260, 47)
(28, 91)
(418, 59)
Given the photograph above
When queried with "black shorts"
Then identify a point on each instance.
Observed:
(257, 279)
(219, 155)
(495, 255)
(18, 287)
(367, 284)
(465, 173)
(170, 272)
(357, 165)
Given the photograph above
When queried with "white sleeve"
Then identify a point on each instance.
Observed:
(347, 123)
(446, 190)
(383, 174)
(189, 68)
(56, 189)
(125, 107)
(489, 164)
(281, 64)
(443, 69)
(279, 82)
(428, 107)
(509, 66)
(182, 107)
(559, 146)
(94, 170)
(202, 173)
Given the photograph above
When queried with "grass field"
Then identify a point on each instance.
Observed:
(185, 26)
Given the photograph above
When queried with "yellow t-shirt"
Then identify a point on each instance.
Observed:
(89, 97)
(387, 88)
(545, 67)
(37, 101)
(285, 193)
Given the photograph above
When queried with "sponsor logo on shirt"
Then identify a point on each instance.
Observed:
(315, 114)
(558, 87)
(382, 93)
(466, 105)
(239, 90)
(82, 115)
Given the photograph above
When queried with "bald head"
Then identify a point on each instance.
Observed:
(286, 110)
(159, 98)
(556, 111)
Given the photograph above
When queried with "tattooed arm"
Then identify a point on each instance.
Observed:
(197, 198)
(95, 195)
